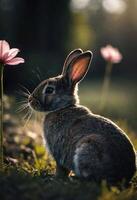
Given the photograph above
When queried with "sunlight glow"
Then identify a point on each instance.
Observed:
(114, 6)
(79, 4)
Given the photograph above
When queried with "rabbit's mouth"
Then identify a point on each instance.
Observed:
(34, 103)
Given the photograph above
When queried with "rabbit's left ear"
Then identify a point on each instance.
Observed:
(72, 55)
(79, 67)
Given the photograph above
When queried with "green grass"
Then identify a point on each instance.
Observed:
(31, 174)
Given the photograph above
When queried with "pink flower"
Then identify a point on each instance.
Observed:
(7, 55)
(111, 54)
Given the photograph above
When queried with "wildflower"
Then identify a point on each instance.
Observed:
(8, 56)
(111, 54)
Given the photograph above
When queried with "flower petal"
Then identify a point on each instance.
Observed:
(111, 54)
(4, 48)
(11, 54)
(104, 53)
(15, 61)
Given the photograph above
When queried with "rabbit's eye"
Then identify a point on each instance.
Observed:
(49, 90)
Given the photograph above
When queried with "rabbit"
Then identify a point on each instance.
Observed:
(90, 145)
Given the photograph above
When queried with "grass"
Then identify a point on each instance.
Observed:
(29, 169)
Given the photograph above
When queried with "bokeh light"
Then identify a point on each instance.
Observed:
(115, 6)
(79, 4)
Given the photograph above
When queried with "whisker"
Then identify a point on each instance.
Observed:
(37, 75)
(34, 120)
(22, 102)
(22, 107)
(23, 87)
(38, 70)
(22, 93)
(26, 115)
(29, 117)
(40, 73)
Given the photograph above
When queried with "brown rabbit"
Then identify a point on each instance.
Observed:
(92, 146)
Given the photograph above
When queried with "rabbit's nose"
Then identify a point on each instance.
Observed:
(30, 98)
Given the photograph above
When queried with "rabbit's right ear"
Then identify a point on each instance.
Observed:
(78, 68)
(73, 54)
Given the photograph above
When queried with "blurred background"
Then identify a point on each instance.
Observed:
(46, 31)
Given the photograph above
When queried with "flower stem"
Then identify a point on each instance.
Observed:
(105, 87)
(1, 116)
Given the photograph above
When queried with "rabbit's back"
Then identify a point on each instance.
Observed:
(75, 133)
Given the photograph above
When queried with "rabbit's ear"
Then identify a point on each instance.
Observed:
(73, 54)
(79, 67)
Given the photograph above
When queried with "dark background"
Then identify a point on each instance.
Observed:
(46, 30)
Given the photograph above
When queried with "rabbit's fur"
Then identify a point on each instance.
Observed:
(92, 146)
